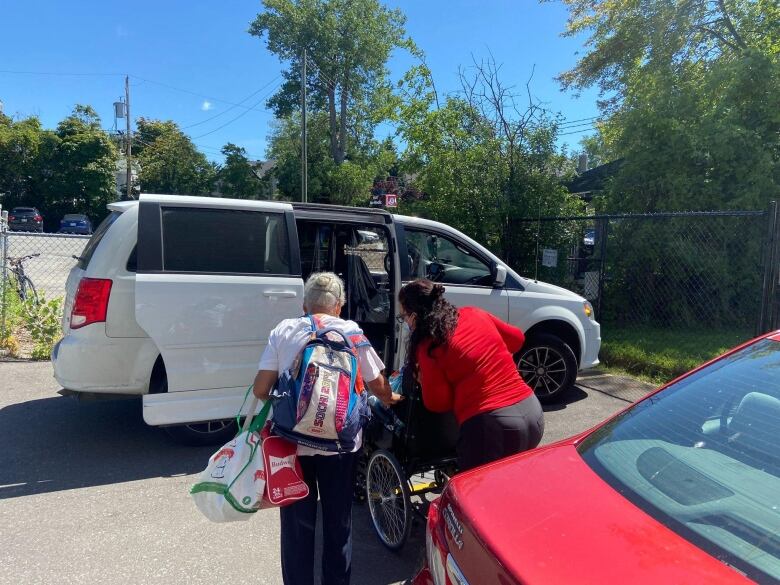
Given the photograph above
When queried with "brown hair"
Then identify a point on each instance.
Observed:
(436, 318)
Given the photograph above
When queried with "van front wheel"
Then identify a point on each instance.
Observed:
(215, 432)
(548, 365)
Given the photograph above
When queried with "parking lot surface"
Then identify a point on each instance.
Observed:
(90, 494)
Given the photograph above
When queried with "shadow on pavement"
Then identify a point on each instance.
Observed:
(372, 562)
(575, 394)
(55, 444)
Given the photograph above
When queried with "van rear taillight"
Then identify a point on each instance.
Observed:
(91, 303)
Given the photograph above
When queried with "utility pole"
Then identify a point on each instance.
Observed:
(304, 150)
(129, 138)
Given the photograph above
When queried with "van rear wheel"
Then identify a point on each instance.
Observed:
(214, 432)
(548, 365)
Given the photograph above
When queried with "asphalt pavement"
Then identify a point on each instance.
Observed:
(90, 494)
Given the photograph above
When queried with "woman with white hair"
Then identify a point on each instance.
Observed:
(328, 474)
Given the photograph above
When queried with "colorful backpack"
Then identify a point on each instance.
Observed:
(320, 401)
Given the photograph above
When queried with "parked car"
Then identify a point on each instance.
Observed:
(75, 223)
(681, 487)
(25, 219)
(173, 299)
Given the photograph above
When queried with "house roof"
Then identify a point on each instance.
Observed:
(594, 179)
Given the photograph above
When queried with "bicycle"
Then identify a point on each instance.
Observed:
(24, 286)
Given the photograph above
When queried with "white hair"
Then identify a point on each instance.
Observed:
(323, 292)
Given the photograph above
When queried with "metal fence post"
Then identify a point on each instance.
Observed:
(768, 318)
(4, 281)
(603, 234)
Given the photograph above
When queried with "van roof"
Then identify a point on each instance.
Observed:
(345, 208)
(121, 206)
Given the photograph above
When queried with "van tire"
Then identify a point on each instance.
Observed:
(548, 365)
(214, 432)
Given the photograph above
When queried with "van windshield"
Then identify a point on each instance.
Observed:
(92, 245)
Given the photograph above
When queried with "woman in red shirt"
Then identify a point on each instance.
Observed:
(463, 358)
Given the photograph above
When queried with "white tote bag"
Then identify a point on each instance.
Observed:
(231, 487)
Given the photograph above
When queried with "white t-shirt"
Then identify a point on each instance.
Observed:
(289, 338)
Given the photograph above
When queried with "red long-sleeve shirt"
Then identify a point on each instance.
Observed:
(475, 371)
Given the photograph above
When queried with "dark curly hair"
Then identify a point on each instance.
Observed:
(436, 318)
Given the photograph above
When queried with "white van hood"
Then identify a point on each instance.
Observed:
(537, 286)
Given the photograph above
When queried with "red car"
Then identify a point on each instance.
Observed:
(681, 487)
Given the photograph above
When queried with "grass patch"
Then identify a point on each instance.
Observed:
(659, 354)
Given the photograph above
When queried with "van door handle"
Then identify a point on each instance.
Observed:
(282, 294)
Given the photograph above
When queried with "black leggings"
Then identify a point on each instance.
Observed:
(499, 433)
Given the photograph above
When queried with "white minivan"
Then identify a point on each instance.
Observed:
(173, 299)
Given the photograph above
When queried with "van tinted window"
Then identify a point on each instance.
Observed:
(92, 245)
(224, 241)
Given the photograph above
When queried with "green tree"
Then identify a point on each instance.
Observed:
(345, 184)
(19, 151)
(349, 43)
(236, 177)
(692, 95)
(482, 161)
(83, 161)
(170, 162)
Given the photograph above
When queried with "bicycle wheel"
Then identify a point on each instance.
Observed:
(27, 289)
(388, 499)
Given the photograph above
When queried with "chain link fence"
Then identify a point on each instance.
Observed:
(34, 267)
(674, 270)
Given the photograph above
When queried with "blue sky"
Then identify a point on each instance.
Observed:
(203, 48)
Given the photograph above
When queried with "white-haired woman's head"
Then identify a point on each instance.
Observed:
(324, 293)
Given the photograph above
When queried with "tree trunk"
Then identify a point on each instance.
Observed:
(334, 143)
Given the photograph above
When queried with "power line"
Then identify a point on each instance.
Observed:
(242, 114)
(60, 73)
(580, 125)
(195, 93)
(247, 98)
(572, 122)
(577, 131)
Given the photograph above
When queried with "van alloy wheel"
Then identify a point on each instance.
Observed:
(214, 432)
(548, 366)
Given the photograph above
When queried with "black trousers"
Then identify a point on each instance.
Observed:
(499, 433)
(330, 477)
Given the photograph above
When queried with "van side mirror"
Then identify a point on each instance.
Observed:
(499, 275)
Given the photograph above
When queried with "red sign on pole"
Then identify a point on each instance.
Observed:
(391, 200)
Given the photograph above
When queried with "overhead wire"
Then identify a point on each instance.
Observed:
(222, 113)
(242, 114)
(195, 93)
(61, 73)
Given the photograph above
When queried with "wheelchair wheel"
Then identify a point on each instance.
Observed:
(389, 502)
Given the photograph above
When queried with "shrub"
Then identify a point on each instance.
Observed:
(42, 320)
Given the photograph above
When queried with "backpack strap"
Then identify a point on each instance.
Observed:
(358, 339)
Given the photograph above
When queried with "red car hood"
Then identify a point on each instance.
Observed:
(546, 517)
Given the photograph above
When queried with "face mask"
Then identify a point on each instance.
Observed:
(408, 330)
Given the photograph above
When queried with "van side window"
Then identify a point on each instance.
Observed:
(224, 241)
(94, 241)
(442, 260)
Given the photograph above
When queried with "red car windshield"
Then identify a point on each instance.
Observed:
(703, 458)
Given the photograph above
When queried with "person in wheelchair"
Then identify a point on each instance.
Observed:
(463, 360)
